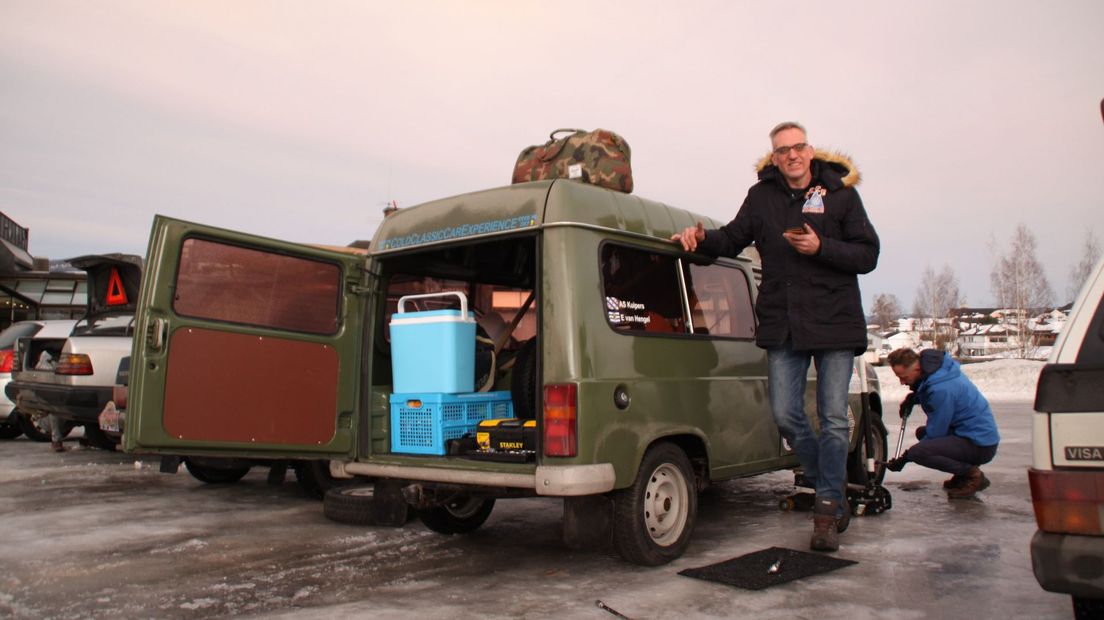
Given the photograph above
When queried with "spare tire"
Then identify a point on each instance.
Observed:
(523, 382)
(350, 504)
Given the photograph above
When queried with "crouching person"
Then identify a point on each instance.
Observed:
(961, 434)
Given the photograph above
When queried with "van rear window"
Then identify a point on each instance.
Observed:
(228, 283)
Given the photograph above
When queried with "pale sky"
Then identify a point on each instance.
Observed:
(298, 120)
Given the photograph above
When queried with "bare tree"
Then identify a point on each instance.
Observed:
(1020, 287)
(1080, 272)
(886, 310)
(937, 295)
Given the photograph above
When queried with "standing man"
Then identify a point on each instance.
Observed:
(961, 433)
(814, 238)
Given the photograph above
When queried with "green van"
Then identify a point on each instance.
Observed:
(635, 360)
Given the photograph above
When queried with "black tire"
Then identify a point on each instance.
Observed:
(350, 504)
(461, 515)
(215, 475)
(99, 439)
(10, 430)
(315, 478)
(523, 381)
(1087, 608)
(654, 518)
(38, 429)
(856, 461)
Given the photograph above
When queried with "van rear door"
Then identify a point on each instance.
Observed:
(245, 346)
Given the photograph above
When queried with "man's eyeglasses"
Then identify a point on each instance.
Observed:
(783, 151)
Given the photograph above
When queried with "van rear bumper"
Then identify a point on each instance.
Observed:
(551, 480)
(1069, 563)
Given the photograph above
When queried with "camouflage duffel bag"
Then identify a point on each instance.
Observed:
(599, 157)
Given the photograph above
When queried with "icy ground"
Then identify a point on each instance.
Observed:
(94, 534)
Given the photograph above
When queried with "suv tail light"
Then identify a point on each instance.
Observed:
(559, 419)
(1067, 502)
(74, 364)
(6, 358)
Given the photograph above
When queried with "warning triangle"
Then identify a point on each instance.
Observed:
(116, 293)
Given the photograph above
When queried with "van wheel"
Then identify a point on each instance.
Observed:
(215, 475)
(460, 515)
(315, 478)
(523, 381)
(856, 461)
(653, 518)
(9, 431)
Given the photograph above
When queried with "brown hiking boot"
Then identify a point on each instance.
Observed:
(973, 481)
(954, 482)
(57, 446)
(825, 532)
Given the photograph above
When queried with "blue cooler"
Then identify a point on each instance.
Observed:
(433, 351)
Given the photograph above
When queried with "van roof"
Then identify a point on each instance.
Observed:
(532, 205)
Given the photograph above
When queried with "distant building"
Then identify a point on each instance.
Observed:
(29, 289)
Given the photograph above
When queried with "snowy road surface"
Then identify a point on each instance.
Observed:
(90, 533)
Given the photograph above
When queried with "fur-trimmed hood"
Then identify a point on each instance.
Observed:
(836, 161)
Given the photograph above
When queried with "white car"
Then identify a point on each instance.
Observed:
(11, 424)
(1067, 473)
(74, 377)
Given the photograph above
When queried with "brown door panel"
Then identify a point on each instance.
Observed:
(222, 386)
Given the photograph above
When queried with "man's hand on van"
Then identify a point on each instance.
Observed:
(690, 237)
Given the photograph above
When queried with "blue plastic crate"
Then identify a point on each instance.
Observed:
(421, 423)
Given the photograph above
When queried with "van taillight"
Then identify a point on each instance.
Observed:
(559, 420)
(1067, 502)
(74, 364)
(6, 357)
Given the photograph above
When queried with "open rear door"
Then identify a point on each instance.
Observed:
(245, 346)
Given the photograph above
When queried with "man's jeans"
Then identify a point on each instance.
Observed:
(823, 458)
(952, 454)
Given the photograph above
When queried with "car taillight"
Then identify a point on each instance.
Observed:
(119, 396)
(6, 358)
(1068, 502)
(559, 419)
(74, 364)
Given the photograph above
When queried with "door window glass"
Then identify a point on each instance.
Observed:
(641, 291)
(241, 285)
(720, 302)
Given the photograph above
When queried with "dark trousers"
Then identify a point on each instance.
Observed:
(952, 454)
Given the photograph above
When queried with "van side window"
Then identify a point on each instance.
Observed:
(720, 302)
(642, 291)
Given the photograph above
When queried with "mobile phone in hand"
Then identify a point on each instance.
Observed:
(796, 230)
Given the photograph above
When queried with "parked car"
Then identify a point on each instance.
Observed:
(73, 377)
(12, 423)
(631, 363)
(1067, 470)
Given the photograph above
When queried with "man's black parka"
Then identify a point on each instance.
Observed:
(812, 300)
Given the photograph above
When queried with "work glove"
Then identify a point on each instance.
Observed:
(907, 405)
(896, 464)
(921, 432)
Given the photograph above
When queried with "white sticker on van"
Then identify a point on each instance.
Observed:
(621, 312)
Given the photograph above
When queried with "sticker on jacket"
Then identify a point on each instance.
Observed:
(814, 203)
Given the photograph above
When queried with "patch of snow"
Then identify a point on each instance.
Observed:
(1001, 379)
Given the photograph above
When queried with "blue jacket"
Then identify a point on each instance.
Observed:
(953, 404)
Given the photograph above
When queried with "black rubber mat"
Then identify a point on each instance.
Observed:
(766, 568)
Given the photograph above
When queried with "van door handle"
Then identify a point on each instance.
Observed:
(155, 334)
